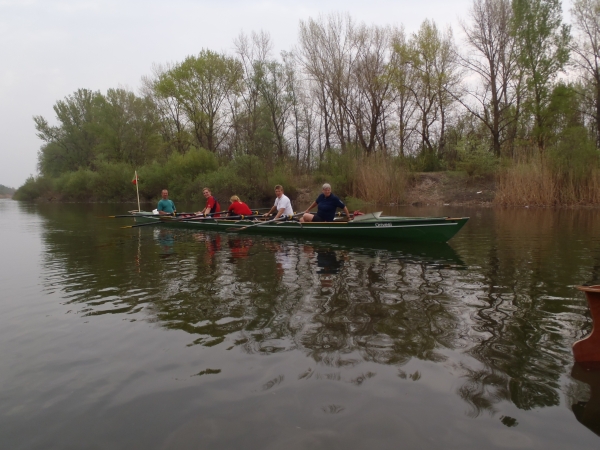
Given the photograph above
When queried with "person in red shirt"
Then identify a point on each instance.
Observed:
(212, 205)
(238, 207)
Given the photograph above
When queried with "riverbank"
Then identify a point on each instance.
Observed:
(429, 189)
(455, 188)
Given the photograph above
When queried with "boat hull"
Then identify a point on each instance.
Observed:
(404, 229)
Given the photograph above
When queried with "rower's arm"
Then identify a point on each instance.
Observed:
(347, 212)
(311, 207)
(279, 213)
(270, 211)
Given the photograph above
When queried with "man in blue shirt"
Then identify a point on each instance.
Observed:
(165, 206)
(327, 204)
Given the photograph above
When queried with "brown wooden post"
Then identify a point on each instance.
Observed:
(588, 349)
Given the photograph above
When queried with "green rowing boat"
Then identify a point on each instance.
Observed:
(369, 226)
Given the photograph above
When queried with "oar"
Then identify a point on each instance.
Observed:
(157, 222)
(146, 215)
(264, 223)
(182, 219)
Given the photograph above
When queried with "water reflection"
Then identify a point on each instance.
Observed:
(587, 411)
(494, 309)
(166, 241)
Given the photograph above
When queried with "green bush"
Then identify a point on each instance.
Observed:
(476, 161)
(281, 175)
(574, 155)
(426, 161)
(339, 170)
(192, 164)
(77, 186)
(153, 178)
(113, 182)
(34, 188)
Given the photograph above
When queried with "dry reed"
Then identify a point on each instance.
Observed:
(380, 180)
(536, 184)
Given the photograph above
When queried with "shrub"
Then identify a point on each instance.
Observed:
(426, 161)
(281, 175)
(78, 185)
(152, 180)
(34, 188)
(476, 162)
(339, 169)
(574, 155)
(113, 182)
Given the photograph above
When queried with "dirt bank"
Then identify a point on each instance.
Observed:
(449, 188)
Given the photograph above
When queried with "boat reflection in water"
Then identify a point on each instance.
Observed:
(588, 412)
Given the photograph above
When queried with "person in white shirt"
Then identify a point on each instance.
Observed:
(282, 204)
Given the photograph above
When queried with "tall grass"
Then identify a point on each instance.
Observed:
(538, 183)
(381, 180)
(374, 179)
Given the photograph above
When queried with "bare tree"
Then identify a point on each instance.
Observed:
(492, 59)
(371, 86)
(402, 75)
(586, 15)
(327, 55)
(253, 53)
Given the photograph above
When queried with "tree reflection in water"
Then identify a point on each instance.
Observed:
(510, 315)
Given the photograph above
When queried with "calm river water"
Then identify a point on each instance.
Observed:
(151, 338)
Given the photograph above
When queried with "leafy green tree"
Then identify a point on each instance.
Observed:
(203, 85)
(402, 75)
(436, 80)
(69, 145)
(127, 128)
(542, 45)
(161, 91)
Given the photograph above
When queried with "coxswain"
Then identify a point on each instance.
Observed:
(165, 206)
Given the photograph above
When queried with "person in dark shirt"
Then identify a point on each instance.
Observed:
(238, 207)
(327, 204)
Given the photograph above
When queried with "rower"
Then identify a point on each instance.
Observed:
(212, 204)
(327, 204)
(165, 206)
(282, 204)
(238, 207)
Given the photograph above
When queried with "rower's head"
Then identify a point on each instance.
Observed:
(279, 190)
(206, 192)
(165, 194)
(234, 198)
(326, 189)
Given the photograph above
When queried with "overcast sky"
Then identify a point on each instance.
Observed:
(50, 48)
